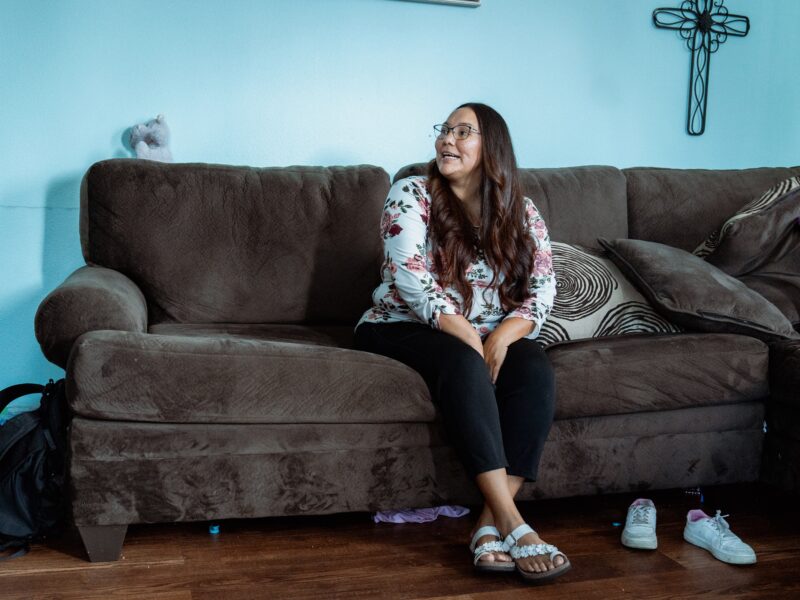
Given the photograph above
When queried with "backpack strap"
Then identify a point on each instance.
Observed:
(8, 395)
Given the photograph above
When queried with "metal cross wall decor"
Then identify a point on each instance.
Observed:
(704, 24)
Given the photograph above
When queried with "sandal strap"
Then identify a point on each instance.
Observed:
(487, 548)
(535, 550)
(513, 538)
(485, 530)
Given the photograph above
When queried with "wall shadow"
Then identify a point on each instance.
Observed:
(122, 143)
(61, 254)
(23, 361)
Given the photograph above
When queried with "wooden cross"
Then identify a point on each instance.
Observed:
(704, 24)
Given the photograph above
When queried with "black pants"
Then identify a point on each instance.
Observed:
(492, 426)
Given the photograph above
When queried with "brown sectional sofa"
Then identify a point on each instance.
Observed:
(209, 363)
(781, 460)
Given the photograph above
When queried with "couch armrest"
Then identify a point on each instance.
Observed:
(781, 459)
(91, 298)
(784, 372)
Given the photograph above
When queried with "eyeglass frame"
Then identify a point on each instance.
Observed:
(443, 130)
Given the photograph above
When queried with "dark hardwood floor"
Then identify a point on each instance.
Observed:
(349, 556)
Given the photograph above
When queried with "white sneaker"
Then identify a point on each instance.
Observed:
(715, 535)
(640, 525)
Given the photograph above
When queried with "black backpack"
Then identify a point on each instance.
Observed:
(33, 462)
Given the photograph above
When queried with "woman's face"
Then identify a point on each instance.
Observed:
(459, 160)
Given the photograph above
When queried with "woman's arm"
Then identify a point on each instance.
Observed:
(458, 326)
(404, 228)
(542, 281)
(495, 347)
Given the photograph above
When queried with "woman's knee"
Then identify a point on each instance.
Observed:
(464, 363)
(463, 381)
(529, 357)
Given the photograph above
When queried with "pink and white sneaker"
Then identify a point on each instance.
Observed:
(715, 535)
(640, 526)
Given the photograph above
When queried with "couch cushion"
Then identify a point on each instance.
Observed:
(577, 203)
(338, 336)
(642, 373)
(217, 243)
(235, 379)
(695, 294)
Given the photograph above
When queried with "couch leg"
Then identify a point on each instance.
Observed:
(103, 543)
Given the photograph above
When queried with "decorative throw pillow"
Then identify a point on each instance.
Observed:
(593, 299)
(752, 236)
(760, 245)
(779, 282)
(696, 295)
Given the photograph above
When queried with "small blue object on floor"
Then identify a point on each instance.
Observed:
(695, 492)
(213, 529)
(616, 524)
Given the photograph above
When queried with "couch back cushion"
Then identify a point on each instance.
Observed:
(579, 204)
(216, 243)
(681, 207)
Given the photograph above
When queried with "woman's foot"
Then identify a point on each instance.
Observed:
(540, 563)
(486, 519)
(489, 558)
(535, 560)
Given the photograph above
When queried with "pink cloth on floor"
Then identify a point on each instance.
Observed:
(419, 515)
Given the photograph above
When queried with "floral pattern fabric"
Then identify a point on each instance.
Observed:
(409, 290)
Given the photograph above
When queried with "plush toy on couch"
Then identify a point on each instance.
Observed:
(150, 140)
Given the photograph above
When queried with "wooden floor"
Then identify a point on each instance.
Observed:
(349, 556)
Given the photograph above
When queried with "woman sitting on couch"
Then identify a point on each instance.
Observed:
(467, 283)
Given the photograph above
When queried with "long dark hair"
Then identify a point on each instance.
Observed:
(508, 247)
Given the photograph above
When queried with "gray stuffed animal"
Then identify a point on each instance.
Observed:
(150, 140)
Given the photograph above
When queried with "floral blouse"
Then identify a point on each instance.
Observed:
(410, 291)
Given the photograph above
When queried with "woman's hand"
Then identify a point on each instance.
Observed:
(495, 349)
(458, 326)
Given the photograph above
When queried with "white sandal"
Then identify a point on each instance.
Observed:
(516, 551)
(485, 566)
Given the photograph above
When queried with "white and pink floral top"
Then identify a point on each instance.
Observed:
(410, 290)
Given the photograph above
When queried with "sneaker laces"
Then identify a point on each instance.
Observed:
(641, 514)
(723, 528)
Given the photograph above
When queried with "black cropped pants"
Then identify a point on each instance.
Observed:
(492, 426)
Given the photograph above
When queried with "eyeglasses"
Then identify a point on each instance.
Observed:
(460, 132)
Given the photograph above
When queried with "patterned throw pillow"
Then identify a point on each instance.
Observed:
(594, 299)
(760, 245)
(752, 216)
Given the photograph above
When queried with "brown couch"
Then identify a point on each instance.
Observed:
(207, 348)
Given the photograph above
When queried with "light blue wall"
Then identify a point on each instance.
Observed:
(279, 82)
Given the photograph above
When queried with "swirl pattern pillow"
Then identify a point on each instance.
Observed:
(594, 299)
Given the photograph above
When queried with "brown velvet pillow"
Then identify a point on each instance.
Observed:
(694, 294)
